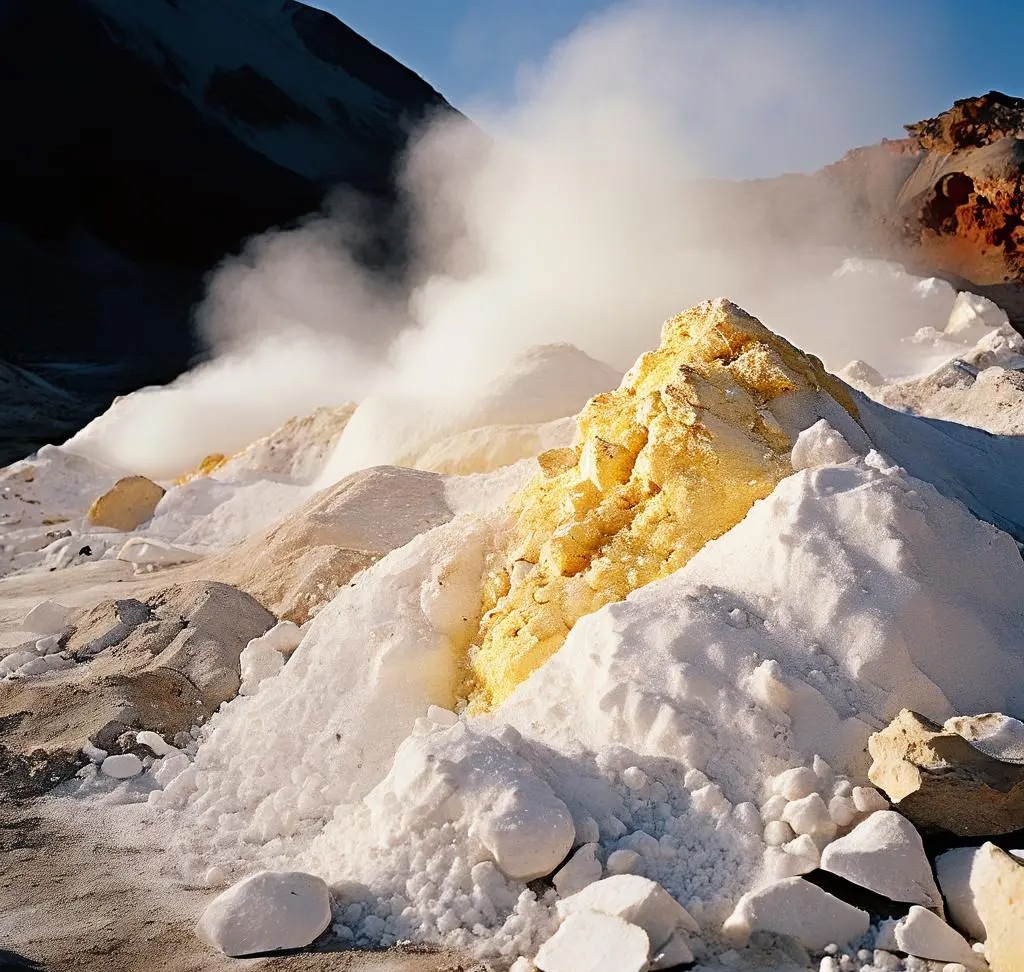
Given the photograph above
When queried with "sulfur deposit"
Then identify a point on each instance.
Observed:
(699, 430)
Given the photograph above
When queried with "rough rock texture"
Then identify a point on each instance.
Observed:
(941, 782)
(999, 900)
(300, 564)
(163, 664)
(127, 504)
(698, 430)
(971, 123)
(948, 200)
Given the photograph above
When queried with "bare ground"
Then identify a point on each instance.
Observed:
(73, 900)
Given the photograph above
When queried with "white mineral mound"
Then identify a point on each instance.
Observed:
(658, 729)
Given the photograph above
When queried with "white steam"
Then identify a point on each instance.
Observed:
(579, 221)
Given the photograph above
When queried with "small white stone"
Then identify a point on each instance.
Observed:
(93, 753)
(594, 942)
(634, 777)
(809, 815)
(581, 869)
(169, 767)
(522, 965)
(623, 862)
(805, 851)
(796, 783)
(746, 817)
(925, 935)
(773, 807)
(122, 766)
(823, 771)
(267, 912)
(799, 909)
(156, 743)
(842, 810)
(884, 853)
(777, 833)
(867, 799)
(635, 899)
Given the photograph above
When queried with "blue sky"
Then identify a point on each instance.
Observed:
(473, 50)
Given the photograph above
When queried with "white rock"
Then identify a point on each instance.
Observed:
(676, 951)
(953, 871)
(623, 862)
(773, 808)
(796, 783)
(867, 799)
(924, 934)
(635, 899)
(594, 942)
(634, 777)
(805, 851)
(820, 445)
(267, 912)
(842, 810)
(167, 769)
(796, 908)
(93, 753)
(122, 766)
(777, 865)
(809, 815)
(156, 743)
(581, 869)
(884, 853)
(522, 965)
(46, 618)
(777, 833)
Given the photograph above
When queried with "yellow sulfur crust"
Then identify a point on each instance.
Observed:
(671, 459)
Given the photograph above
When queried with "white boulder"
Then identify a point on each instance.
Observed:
(637, 900)
(267, 912)
(798, 909)
(957, 879)
(594, 942)
(884, 853)
(924, 934)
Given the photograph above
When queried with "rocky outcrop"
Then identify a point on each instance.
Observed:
(127, 504)
(938, 780)
(698, 431)
(948, 200)
(165, 663)
(145, 141)
(971, 123)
